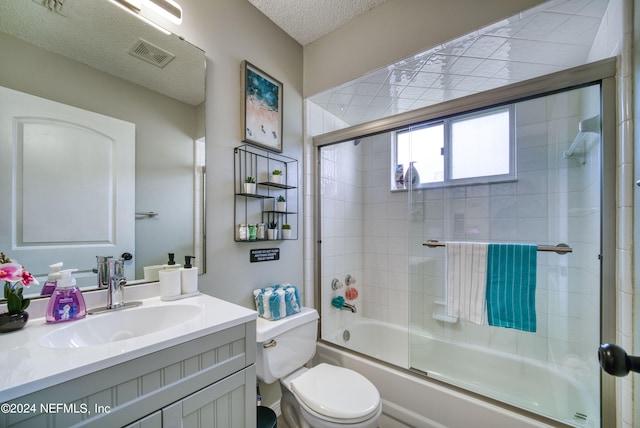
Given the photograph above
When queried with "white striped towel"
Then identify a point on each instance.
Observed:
(466, 272)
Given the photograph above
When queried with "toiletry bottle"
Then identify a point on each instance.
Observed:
(169, 284)
(66, 303)
(171, 264)
(189, 277)
(52, 279)
(400, 176)
(412, 177)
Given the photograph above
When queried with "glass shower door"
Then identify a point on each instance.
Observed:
(554, 197)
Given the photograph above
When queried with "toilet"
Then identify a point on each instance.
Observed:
(325, 396)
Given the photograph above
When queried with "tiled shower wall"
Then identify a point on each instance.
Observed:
(342, 228)
(364, 233)
(385, 286)
(553, 200)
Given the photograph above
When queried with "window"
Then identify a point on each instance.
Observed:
(469, 148)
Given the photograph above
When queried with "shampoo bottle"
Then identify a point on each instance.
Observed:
(189, 277)
(52, 279)
(66, 303)
(412, 177)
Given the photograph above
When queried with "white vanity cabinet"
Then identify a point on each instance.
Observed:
(205, 382)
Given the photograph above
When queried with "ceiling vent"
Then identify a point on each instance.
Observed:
(151, 53)
(59, 6)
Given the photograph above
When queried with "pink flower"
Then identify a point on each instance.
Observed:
(11, 272)
(27, 279)
(15, 278)
(15, 272)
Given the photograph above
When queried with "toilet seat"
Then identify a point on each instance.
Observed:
(336, 393)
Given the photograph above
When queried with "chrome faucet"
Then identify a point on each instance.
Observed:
(102, 271)
(115, 283)
(339, 303)
(349, 307)
(112, 270)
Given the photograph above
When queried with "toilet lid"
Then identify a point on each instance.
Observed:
(336, 392)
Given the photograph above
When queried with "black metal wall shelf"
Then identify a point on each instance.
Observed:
(257, 205)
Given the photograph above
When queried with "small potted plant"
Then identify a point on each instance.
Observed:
(281, 204)
(15, 277)
(286, 231)
(272, 231)
(276, 176)
(250, 185)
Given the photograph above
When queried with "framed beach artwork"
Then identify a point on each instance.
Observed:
(261, 108)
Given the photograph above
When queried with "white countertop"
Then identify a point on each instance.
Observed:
(26, 366)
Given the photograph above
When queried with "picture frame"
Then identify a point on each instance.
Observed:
(261, 101)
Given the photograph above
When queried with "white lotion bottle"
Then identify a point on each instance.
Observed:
(169, 284)
(189, 277)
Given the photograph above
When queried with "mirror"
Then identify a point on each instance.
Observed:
(91, 55)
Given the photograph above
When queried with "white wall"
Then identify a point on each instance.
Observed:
(230, 31)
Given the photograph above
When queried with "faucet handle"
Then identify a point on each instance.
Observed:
(349, 280)
(102, 270)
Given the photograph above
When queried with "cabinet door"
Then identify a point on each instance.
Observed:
(229, 403)
(154, 420)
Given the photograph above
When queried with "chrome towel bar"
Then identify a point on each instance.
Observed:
(149, 214)
(559, 248)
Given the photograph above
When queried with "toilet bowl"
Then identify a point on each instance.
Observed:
(322, 396)
(331, 396)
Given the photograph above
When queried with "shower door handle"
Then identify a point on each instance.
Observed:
(615, 361)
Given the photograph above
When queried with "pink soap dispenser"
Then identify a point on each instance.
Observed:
(66, 303)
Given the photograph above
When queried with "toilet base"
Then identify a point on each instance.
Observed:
(291, 410)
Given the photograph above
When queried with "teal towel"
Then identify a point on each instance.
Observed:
(511, 286)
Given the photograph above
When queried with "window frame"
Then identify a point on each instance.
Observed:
(447, 123)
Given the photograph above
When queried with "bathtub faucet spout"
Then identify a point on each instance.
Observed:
(349, 307)
(339, 303)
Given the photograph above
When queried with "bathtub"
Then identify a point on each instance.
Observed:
(438, 400)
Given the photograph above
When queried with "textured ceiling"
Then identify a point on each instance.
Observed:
(97, 33)
(308, 20)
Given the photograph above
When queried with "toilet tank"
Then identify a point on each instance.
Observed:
(285, 345)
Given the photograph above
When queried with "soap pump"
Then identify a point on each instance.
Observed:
(189, 277)
(171, 264)
(66, 303)
(52, 279)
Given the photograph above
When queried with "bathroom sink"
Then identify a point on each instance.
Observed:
(119, 325)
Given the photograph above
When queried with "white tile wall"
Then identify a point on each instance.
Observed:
(541, 207)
